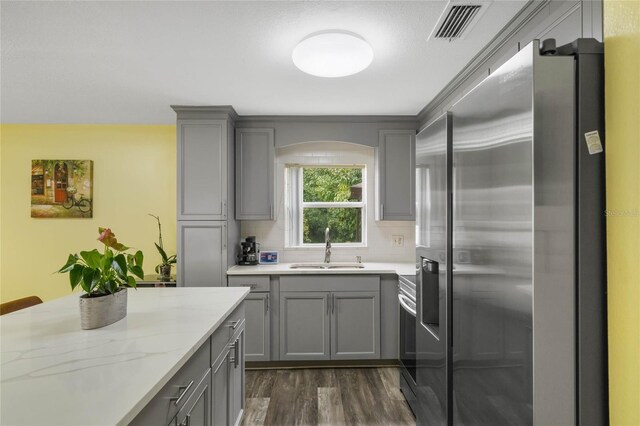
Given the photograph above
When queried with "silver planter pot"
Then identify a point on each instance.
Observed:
(96, 312)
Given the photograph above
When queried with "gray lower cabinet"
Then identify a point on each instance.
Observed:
(258, 310)
(255, 177)
(258, 327)
(209, 389)
(220, 380)
(172, 403)
(228, 381)
(355, 325)
(329, 325)
(197, 410)
(202, 253)
(395, 163)
(202, 169)
(304, 326)
(236, 381)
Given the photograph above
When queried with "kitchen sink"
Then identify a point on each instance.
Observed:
(345, 266)
(321, 265)
(307, 266)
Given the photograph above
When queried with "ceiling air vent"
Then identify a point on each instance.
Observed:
(456, 19)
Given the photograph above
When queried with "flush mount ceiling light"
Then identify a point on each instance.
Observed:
(332, 54)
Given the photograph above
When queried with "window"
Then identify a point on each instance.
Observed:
(327, 196)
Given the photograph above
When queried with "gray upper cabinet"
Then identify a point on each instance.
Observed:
(355, 325)
(304, 326)
(255, 162)
(202, 169)
(396, 175)
(202, 254)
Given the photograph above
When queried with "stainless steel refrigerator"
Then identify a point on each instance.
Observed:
(510, 247)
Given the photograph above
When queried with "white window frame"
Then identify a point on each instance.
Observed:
(295, 205)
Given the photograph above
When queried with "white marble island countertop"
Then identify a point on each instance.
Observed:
(54, 373)
(399, 268)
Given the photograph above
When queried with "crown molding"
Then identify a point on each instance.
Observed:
(209, 111)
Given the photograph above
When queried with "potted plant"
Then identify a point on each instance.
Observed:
(164, 268)
(104, 277)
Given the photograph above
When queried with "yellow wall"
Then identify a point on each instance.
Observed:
(134, 173)
(622, 99)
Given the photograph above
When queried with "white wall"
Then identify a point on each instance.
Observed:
(271, 234)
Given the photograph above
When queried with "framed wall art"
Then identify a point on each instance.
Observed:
(62, 188)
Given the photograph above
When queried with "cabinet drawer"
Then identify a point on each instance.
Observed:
(226, 330)
(197, 409)
(255, 282)
(162, 409)
(236, 315)
(329, 283)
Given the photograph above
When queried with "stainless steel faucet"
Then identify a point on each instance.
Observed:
(327, 248)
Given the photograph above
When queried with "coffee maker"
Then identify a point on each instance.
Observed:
(249, 252)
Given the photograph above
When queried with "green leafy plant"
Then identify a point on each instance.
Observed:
(166, 260)
(99, 274)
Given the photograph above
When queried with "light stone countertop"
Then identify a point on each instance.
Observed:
(398, 268)
(54, 373)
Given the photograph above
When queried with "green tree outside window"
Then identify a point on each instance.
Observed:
(332, 185)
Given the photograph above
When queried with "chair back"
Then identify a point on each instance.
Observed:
(16, 305)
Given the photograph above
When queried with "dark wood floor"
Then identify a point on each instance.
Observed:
(327, 396)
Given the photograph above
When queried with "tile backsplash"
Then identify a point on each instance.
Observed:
(271, 234)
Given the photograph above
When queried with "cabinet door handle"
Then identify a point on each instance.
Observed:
(232, 359)
(187, 421)
(266, 301)
(235, 359)
(176, 399)
(233, 324)
(224, 237)
(236, 355)
(328, 305)
(333, 303)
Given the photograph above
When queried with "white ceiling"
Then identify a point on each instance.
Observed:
(126, 62)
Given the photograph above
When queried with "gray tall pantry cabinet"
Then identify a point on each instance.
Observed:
(207, 230)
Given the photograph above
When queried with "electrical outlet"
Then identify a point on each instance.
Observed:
(397, 241)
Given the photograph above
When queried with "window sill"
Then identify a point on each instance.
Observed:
(322, 246)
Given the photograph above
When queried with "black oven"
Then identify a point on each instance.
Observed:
(407, 333)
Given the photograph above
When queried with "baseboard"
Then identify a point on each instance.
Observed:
(365, 363)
